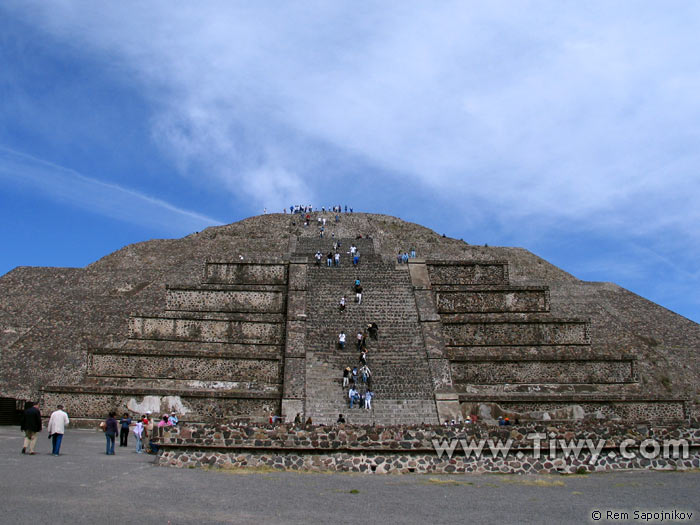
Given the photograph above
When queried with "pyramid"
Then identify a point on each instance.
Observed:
(239, 322)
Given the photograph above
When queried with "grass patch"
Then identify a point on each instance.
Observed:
(447, 482)
(536, 482)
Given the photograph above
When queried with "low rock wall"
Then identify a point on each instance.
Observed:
(477, 448)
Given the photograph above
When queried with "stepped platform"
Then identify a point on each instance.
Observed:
(241, 323)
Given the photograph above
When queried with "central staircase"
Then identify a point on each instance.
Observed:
(401, 381)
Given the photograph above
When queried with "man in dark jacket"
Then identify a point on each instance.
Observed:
(31, 425)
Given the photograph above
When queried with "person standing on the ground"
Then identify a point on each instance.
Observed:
(111, 430)
(31, 426)
(138, 434)
(56, 429)
(124, 424)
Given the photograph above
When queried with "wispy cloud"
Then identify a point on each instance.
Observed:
(110, 200)
(585, 112)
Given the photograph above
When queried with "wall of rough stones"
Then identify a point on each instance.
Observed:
(207, 330)
(202, 368)
(225, 300)
(630, 410)
(412, 449)
(248, 273)
(482, 272)
(557, 372)
(493, 300)
(474, 333)
(187, 405)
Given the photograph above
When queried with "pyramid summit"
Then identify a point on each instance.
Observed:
(241, 321)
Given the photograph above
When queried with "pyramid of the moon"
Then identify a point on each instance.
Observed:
(237, 322)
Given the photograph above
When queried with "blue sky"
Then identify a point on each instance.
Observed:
(568, 128)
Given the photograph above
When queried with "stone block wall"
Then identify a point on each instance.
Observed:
(190, 406)
(222, 300)
(185, 367)
(245, 273)
(524, 449)
(207, 330)
(564, 371)
(468, 272)
(487, 333)
(492, 300)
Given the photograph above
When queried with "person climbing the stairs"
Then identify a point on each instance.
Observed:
(358, 292)
(342, 304)
(341, 340)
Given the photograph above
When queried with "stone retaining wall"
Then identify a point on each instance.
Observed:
(225, 300)
(207, 330)
(492, 301)
(202, 368)
(524, 449)
(468, 272)
(244, 273)
(517, 333)
(558, 372)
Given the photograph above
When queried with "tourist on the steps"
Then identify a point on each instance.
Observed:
(358, 293)
(413, 252)
(399, 257)
(56, 429)
(404, 257)
(363, 357)
(368, 399)
(353, 396)
(341, 419)
(173, 420)
(373, 331)
(341, 340)
(318, 257)
(297, 419)
(356, 258)
(353, 376)
(346, 376)
(124, 424)
(342, 304)
(360, 341)
(365, 372)
(329, 259)
(336, 258)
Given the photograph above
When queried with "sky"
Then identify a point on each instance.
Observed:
(568, 128)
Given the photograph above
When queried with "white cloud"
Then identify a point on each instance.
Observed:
(580, 112)
(110, 200)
